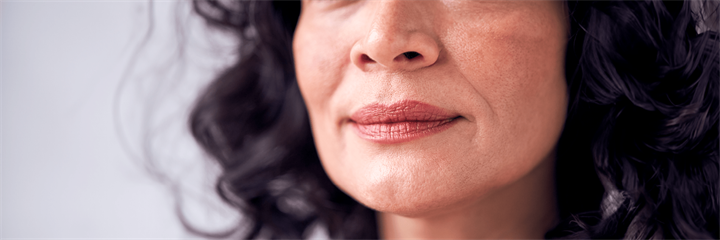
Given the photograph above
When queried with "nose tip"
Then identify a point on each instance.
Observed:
(395, 51)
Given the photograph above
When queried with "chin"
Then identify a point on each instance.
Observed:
(416, 205)
(417, 197)
(406, 205)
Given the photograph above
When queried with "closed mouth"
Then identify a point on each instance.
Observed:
(400, 122)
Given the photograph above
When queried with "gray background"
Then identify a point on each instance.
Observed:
(89, 99)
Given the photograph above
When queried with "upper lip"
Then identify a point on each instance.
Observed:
(403, 111)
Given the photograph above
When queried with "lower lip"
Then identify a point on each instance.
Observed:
(399, 132)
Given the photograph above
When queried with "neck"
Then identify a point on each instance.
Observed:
(524, 209)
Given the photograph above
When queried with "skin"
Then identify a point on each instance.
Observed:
(497, 64)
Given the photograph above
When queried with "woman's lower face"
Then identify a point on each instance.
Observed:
(419, 107)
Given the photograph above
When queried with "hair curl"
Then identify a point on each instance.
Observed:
(644, 86)
(638, 157)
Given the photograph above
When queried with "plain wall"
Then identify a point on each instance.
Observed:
(89, 100)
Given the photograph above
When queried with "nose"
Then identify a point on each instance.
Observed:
(401, 38)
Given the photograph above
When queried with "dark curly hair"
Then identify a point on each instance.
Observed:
(638, 157)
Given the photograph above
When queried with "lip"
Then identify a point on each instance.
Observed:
(400, 122)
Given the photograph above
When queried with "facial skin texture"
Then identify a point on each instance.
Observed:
(498, 65)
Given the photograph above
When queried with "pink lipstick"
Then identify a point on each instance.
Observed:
(400, 122)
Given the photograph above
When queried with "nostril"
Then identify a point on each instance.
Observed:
(411, 55)
(366, 58)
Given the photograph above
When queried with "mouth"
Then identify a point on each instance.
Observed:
(400, 122)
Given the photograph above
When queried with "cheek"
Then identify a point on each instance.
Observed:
(517, 68)
(316, 70)
(320, 61)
